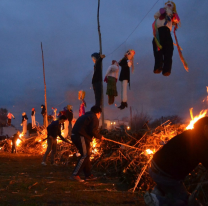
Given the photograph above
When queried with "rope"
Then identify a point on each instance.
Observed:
(134, 29)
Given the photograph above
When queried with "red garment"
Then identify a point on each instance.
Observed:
(82, 108)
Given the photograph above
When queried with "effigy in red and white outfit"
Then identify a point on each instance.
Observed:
(9, 118)
(81, 96)
(126, 63)
(111, 80)
(162, 42)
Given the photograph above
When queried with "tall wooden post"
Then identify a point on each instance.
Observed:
(46, 116)
(100, 43)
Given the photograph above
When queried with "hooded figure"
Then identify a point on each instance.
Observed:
(33, 117)
(97, 77)
(162, 41)
(24, 123)
(81, 96)
(111, 80)
(126, 63)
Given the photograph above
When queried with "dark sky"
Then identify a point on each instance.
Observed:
(68, 31)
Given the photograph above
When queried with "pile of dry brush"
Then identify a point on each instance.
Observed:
(126, 158)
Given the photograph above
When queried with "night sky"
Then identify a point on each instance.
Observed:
(68, 32)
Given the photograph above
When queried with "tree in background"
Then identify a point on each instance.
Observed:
(3, 116)
(174, 119)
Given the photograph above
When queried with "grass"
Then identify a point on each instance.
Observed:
(24, 181)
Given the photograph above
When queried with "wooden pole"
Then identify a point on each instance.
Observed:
(46, 116)
(100, 43)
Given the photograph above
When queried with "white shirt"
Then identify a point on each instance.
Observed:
(112, 71)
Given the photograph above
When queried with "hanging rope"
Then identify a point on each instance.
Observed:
(134, 29)
(179, 50)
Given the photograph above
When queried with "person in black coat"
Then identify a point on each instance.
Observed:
(85, 128)
(97, 77)
(43, 112)
(126, 63)
(174, 161)
(69, 116)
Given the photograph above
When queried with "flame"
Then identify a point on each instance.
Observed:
(95, 146)
(196, 118)
(18, 142)
(149, 151)
(128, 128)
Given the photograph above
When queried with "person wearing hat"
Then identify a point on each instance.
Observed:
(97, 77)
(24, 123)
(9, 118)
(126, 63)
(33, 118)
(111, 80)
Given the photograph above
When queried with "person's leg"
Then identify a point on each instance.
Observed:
(125, 85)
(69, 129)
(49, 147)
(158, 58)
(80, 144)
(53, 151)
(87, 165)
(13, 146)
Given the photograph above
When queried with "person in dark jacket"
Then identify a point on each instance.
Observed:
(97, 77)
(85, 128)
(14, 141)
(174, 161)
(54, 130)
(43, 112)
(69, 116)
(126, 63)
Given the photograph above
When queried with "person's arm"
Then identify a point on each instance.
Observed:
(61, 137)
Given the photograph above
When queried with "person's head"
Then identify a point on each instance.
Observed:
(130, 54)
(201, 127)
(114, 62)
(97, 110)
(42, 106)
(23, 114)
(62, 119)
(69, 107)
(33, 109)
(95, 56)
(171, 5)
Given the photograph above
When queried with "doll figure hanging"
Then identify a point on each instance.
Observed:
(81, 96)
(162, 42)
(126, 63)
(111, 80)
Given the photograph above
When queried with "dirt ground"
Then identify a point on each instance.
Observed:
(24, 181)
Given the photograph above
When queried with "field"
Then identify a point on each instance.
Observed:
(24, 181)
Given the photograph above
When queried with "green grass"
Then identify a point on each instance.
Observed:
(20, 172)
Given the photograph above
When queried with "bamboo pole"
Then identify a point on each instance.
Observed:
(46, 116)
(100, 43)
(110, 140)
